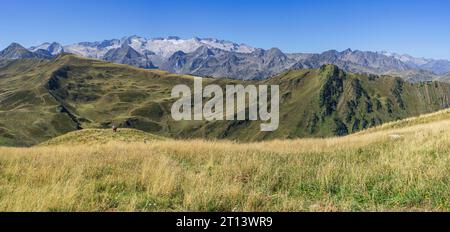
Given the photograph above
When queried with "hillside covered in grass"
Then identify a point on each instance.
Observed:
(42, 99)
(403, 166)
(102, 136)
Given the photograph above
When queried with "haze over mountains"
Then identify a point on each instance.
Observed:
(219, 58)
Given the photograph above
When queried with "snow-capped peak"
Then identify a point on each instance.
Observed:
(54, 48)
(227, 45)
(93, 50)
(166, 47)
(42, 46)
(163, 47)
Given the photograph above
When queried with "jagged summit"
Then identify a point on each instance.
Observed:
(17, 51)
(53, 48)
(222, 58)
(127, 55)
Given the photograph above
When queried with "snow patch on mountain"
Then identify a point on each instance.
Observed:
(53, 48)
(407, 58)
(93, 50)
(166, 47)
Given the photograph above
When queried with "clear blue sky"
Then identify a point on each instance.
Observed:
(419, 28)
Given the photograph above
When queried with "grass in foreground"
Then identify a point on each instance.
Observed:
(390, 169)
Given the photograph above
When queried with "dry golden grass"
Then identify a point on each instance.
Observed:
(388, 169)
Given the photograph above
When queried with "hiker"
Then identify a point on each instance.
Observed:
(114, 128)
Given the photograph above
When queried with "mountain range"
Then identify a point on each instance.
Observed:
(44, 98)
(220, 58)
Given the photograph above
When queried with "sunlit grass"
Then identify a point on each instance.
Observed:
(386, 169)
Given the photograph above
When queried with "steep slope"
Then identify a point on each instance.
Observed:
(127, 55)
(16, 51)
(28, 112)
(328, 101)
(42, 99)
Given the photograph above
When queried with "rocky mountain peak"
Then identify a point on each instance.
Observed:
(222, 58)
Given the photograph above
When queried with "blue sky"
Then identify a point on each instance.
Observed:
(419, 28)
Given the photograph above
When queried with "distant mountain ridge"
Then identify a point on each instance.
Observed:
(439, 67)
(221, 58)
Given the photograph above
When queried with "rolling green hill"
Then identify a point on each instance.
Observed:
(41, 99)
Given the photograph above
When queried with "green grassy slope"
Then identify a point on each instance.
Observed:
(43, 99)
(28, 113)
(328, 101)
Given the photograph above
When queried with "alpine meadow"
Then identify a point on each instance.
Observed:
(252, 110)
